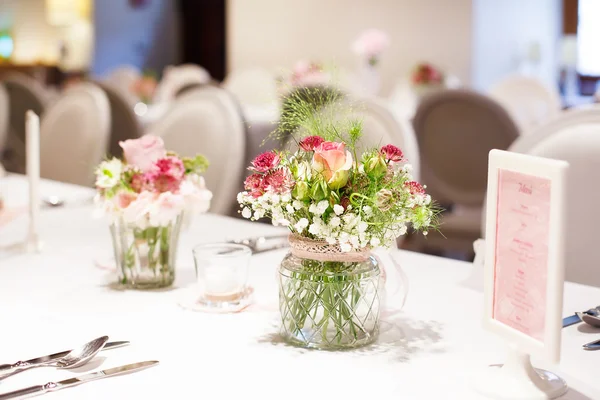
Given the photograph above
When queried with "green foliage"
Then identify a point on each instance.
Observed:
(196, 165)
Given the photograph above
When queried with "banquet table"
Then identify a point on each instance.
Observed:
(60, 298)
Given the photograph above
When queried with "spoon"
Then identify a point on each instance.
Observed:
(590, 319)
(75, 358)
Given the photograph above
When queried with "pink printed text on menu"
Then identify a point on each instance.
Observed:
(522, 234)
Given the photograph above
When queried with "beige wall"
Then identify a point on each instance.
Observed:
(276, 33)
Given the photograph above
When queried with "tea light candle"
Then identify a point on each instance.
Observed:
(221, 281)
(32, 145)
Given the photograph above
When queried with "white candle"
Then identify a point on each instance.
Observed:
(32, 144)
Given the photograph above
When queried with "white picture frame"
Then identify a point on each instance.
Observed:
(555, 171)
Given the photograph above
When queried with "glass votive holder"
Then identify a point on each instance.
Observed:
(222, 276)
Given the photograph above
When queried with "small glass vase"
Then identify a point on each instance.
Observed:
(329, 300)
(145, 258)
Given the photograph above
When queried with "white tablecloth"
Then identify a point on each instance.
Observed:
(58, 299)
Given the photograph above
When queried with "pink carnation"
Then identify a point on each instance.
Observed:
(166, 174)
(414, 187)
(392, 153)
(254, 185)
(309, 143)
(278, 182)
(265, 162)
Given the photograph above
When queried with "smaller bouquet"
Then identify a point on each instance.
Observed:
(427, 75)
(152, 186)
(145, 87)
(371, 44)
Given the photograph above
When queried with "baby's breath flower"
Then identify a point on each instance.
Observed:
(246, 213)
(338, 209)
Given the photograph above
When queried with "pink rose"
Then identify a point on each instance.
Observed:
(333, 162)
(265, 162)
(143, 152)
(166, 174)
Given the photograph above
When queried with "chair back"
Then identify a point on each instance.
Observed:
(75, 135)
(527, 99)
(179, 78)
(455, 131)
(4, 118)
(24, 93)
(574, 137)
(124, 123)
(207, 121)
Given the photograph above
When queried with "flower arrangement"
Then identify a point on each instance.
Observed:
(371, 44)
(326, 191)
(145, 87)
(338, 203)
(426, 74)
(152, 185)
(147, 196)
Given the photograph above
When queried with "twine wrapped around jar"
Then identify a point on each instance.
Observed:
(322, 251)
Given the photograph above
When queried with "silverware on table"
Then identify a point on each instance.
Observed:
(67, 383)
(589, 319)
(595, 345)
(40, 360)
(259, 244)
(575, 319)
(73, 359)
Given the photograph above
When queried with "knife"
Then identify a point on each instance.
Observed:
(595, 345)
(44, 359)
(67, 383)
(571, 320)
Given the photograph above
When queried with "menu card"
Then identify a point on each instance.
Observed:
(521, 252)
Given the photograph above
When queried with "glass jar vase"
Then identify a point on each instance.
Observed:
(145, 257)
(329, 300)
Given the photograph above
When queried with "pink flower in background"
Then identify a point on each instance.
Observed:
(371, 44)
(392, 153)
(135, 213)
(139, 182)
(306, 73)
(166, 208)
(426, 74)
(166, 174)
(143, 152)
(278, 182)
(333, 161)
(197, 197)
(254, 185)
(265, 162)
(144, 88)
(309, 143)
(124, 199)
(415, 187)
